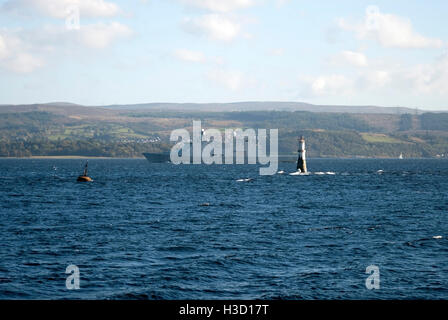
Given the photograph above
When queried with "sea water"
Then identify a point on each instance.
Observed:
(161, 231)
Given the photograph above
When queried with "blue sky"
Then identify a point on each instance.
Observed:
(390, 53)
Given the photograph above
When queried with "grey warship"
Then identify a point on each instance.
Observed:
(164, 157)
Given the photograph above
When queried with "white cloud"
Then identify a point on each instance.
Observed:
(95, 35)
(214, 26)
(277, 52)
(414, 80)
(220, 5)
(25, 50)
(218, 60)
(15, 55)
(61, 8)
(342, 85)
(375, 79)
(422, 80)
(351, 58)
(389, 31)
(189, 55)
(327, 85)
(24, 63)
(230, 79)
(428, 78)
(3, 49)
(281, 3)
(197, 57)
(101, 35)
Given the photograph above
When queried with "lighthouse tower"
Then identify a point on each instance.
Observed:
(301, 161)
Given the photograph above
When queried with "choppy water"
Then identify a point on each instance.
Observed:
(160, 231)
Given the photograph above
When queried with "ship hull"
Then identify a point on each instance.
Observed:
(165, 158)
(157, 157)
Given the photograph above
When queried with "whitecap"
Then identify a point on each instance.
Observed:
(437, 237)
(299, 173)
(244, 180)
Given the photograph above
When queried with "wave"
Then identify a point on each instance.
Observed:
(298, 173)
(245, 180)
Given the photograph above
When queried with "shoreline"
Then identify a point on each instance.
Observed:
(142, 158)
(67, 157)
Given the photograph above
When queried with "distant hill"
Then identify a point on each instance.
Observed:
(262, 106)
(62, 128)
(61, 108)
(70, 108)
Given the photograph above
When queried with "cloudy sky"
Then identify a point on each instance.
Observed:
(351, 52)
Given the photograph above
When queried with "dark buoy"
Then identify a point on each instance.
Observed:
(84, 177)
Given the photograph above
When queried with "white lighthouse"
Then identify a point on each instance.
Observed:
(301, 161)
